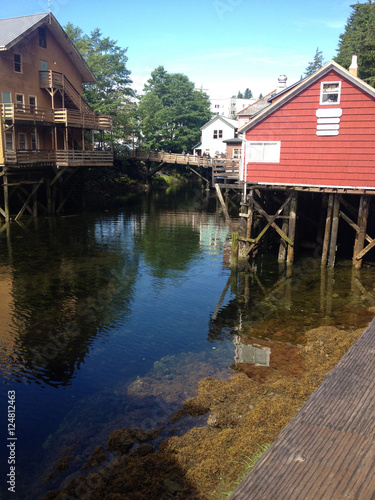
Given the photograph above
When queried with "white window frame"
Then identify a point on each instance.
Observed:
(262, 146)
(32, 107)
(333, 92)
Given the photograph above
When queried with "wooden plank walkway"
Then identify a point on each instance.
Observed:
(327, 452)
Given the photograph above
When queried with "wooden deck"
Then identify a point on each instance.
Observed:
(327, 452)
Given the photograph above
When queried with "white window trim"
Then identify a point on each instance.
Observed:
(338, 93)
(276, 155)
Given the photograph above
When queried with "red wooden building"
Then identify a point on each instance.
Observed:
(317, 136)
(321, 133)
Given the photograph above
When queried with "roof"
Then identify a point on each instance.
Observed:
(256, 106)
(236, 140)
(295, 89)
(15, 29)
(228, 121)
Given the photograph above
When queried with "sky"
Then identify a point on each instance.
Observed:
(223, 46)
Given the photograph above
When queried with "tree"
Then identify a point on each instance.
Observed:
(248, 94)
(316, 64)
(359, 39)
(239, 95)
(260, 96)
(171, 112)
(111, 93)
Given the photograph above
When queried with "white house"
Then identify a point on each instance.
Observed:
(214, 133)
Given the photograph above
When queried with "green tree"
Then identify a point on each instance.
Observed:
(260, 96)
(316, 64)
(248, 94)
(111, 93)
(359, 39)
(239, 95)
(171, 112)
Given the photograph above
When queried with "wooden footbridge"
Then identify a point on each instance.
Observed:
(223, 170)
(328, 450)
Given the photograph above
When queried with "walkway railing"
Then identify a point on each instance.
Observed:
(25, 158)
(222, 168)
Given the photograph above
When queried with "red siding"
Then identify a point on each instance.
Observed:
(347, 159)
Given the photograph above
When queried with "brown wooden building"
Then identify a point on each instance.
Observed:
(47, 128)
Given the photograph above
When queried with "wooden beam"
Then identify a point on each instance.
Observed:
(334, 231)
(292, 228)
(223, 206)
(363, 211)
(327, 231)
(26, 204)
(271, 219)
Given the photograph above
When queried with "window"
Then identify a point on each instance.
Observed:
(215, 134)
(32, 104)
(22, 141)
(17, 63)
(217, 105)
(236, 153)
(8, 141)
(218, 134)
(34, 146)
(330, 92)
(42, 38)
(19, 102)
(263, 152)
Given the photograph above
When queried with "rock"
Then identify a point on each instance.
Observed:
(212, 420)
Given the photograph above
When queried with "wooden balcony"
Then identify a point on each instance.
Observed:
(69, 117)
(75, 118)
(59, 158)
(20, 112)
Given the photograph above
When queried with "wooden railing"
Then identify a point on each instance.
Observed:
(54, 80)
(222, 168)
(61, 158)
(72, 117)
(21, 112)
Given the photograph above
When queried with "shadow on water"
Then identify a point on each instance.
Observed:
(109, 321)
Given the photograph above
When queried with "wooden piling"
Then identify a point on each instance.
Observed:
(363, 211)
(327, 230)
(334, 231)
(292, 228)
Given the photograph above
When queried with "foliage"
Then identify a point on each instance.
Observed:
(248, 94)
(111, 93)
(171, 112)
(260, 96)
(316, 64)
(359, 39)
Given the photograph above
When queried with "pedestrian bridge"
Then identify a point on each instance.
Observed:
(224, 171)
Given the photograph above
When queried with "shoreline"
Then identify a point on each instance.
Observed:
(244, 414)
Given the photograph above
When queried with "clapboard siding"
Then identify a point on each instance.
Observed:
(347, 159)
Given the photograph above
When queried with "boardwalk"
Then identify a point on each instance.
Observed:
(327, 452)
(223, 169)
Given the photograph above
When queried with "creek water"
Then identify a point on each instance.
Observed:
(109, 320)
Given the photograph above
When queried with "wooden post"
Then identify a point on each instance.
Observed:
(363, 211)
(292, 229)
(250, 217)
(234, 253)
(334, 231)
(6, 197)
(283, 243)
(223, 206)
(327, 230)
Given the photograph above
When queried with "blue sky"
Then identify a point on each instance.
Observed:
(222, 45)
